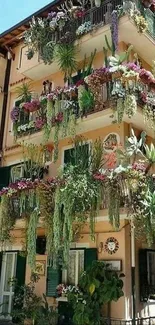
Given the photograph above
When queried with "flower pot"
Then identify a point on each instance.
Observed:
(97, 3)
(28, 322)
(147, 3)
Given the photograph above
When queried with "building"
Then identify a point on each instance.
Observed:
(28, 67)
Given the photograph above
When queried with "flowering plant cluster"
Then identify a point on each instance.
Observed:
(57, 20)
(84, 28)
(27, 184)
(139, 21)
(32, 106)
(66, 289)
(15, 114)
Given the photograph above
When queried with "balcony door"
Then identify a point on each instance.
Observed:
(8, 273)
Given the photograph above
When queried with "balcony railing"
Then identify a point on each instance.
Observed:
(102, 16)
(137, 321)
(149, 16)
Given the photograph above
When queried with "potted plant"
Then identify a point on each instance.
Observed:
(97, 3)
(147, 3)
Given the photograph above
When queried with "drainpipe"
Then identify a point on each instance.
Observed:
(5, 99)
(133, 272)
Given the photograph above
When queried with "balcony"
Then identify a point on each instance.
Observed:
(99, 106)
(99, 20)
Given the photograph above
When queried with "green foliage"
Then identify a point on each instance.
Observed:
(24, 92)
(65, 55)
(98, 286)
(31, 238)
(87, 66)
(86, 101)
(27, 305)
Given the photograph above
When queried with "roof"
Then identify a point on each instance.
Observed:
(10, 37)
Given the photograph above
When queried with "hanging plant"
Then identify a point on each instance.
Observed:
(31, 238)
(130, 105)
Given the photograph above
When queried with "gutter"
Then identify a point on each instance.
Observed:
(5, 100)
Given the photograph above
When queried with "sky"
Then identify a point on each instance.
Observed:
(13, 11)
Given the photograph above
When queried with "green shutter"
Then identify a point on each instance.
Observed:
(4, 176)
(90, 256)
(53, 279)
(20, 269)
(143, 276)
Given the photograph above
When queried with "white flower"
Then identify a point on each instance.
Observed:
(119, 169)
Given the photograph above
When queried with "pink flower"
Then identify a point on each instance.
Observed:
(139, 166)
(99, 176)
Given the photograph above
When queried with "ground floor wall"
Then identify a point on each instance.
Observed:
(103, 231)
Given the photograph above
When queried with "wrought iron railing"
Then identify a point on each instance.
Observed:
(137, 321)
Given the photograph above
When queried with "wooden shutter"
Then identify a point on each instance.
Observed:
(143, 276)
(20, 269)
(90, 256)
(53, 279)
(4, 176)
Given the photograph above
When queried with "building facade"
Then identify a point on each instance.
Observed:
(91, 25)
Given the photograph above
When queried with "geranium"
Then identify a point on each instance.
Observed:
(39, 123)
(146, 76)
(32, 106)
(140, 166)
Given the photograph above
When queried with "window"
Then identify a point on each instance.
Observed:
(147, 274)
(75, 267)
(24, 116)
(151, 268)
(17, 172)
(73, 155)
(80, 259)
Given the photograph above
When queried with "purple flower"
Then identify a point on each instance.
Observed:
(52, 14)
(14, 114)
(114, 28)
(133, 66)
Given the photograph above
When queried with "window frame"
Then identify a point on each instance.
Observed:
(149, 273)
(20, 165)
(89, 142)
(65, 272)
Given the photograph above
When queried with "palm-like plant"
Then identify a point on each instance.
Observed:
(24, 92)
(65, 55)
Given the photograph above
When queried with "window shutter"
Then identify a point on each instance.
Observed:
(20, 269)
(90, 256)
(143, 276)
(53, 279)
(4, 176)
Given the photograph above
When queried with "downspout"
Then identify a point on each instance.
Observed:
(5, 99)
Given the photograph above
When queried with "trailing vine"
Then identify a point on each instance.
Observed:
(31, 238)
